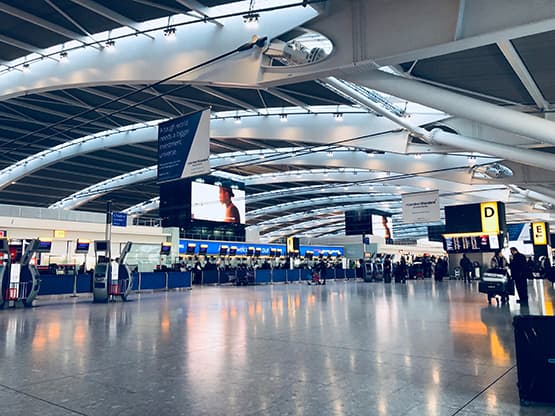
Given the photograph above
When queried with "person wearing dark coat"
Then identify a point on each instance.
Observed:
(466, 266)
(440, 270)
(518, 268)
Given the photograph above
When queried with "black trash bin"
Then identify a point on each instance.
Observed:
(535, 358)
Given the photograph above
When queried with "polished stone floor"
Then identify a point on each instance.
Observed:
(341, 349)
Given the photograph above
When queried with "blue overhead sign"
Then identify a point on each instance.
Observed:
(213, 247)
(119, 219)
(184, 147)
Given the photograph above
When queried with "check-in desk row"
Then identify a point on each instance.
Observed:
(82, 283)
(265, 276)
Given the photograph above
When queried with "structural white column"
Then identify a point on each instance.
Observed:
(414, 129)
(458, 105)
(536, 196)
(516, 154)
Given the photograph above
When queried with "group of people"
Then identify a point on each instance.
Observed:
(520, 270)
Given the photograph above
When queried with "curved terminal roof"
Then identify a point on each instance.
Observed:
(346, 104)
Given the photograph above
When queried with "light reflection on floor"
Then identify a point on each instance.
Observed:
(342, 349)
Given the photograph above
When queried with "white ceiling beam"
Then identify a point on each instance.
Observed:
(74, 22)
(225, 97)
(460, 20)
(145, 107)
(170, 98)
(459, 105)
(110, 15)
(18, 44)
(40, 109)
(20, 14)
(109, 185)
(288, 98)
(200, 9)
(71, 149)
(518, 66)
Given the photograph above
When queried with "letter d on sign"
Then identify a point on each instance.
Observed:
(489, 212)
(489, 215)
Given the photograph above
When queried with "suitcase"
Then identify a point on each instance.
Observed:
(535, 358)
(496, 283)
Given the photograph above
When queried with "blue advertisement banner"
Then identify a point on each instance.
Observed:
(119, 219)
(184, 146)
(213, 248)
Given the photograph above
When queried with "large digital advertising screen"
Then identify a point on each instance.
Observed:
(358, 222)
(218, 203)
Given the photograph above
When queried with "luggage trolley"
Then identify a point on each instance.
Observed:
(496, 282)
(21, 279)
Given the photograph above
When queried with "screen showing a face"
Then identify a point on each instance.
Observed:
(217, 203)
(382, 226)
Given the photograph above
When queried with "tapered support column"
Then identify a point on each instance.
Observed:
(458, 105)
(516, 154)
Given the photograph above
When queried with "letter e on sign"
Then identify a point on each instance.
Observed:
(539, 233)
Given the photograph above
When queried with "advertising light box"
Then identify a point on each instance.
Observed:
(217, 203)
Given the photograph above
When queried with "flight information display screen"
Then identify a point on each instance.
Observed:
(472, 244)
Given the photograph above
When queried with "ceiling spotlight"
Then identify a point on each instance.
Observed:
(330, 154)
(497, 170)
(251, 19)
(26, 67)
(169, 32)
(417, 156)
(471, 160)
(283, 118)
(63, 56)
(338, 116)
(110, 43)
(237, 120)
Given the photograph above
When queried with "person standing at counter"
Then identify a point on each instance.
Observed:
(518, 273)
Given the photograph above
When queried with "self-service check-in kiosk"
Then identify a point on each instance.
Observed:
(111, 278)
(23, 277)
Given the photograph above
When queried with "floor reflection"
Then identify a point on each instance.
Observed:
(344, 348)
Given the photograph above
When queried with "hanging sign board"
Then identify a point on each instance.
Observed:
(421, 207)
(184, 147)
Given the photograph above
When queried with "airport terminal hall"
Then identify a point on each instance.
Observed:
(277, 207)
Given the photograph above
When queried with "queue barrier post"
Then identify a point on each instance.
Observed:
(74, 294)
